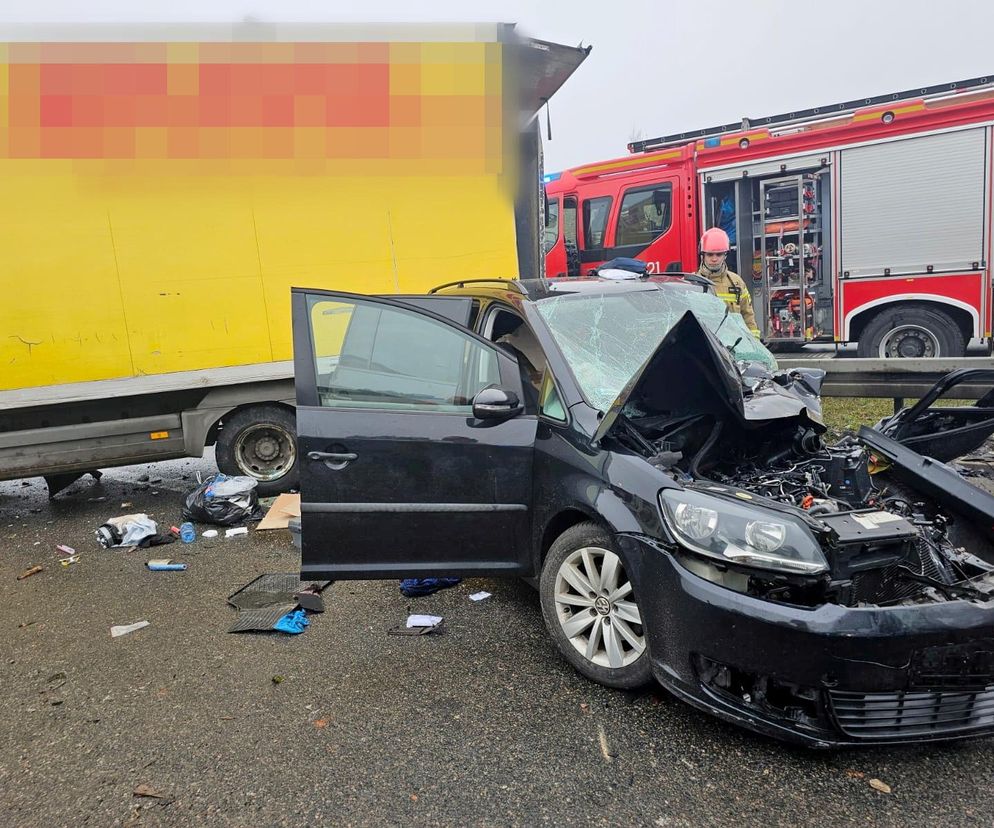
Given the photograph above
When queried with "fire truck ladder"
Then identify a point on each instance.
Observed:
(816, 113)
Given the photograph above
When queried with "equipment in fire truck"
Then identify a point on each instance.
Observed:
(788, 253)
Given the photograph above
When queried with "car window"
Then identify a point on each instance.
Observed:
(644, 214)
(549, 402)
(595, 212)
(371, 355)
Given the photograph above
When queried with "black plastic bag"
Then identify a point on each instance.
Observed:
(223, 501)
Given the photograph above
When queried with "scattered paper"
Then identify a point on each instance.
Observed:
(878, 785)
(284, 509)
(479, 596)
(210, 533)
(124, 629)
(234, 533)
(423, 620)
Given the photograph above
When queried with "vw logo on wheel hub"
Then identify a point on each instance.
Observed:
(602, 605)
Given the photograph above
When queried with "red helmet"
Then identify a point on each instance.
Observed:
(714, 240)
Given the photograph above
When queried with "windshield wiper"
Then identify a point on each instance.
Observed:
(728, 309)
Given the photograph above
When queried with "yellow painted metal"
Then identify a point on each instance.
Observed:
(112, 267)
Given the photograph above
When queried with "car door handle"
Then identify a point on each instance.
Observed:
(334, 460)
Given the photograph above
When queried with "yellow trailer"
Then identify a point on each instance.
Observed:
(162, 190)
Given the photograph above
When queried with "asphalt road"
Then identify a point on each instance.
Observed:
(483, 724)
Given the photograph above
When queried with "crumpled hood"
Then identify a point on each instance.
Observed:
(691, 372)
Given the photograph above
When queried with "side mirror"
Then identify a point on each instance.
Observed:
(496, 403)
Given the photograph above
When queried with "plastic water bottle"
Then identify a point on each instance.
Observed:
(187, 534)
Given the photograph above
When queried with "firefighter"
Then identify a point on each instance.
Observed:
(728, 285)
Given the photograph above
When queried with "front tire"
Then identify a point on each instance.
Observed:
(591, 611)
(260, 442)
(911, 331)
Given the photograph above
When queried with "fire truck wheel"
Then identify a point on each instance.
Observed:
(261, 442)
(912, 332)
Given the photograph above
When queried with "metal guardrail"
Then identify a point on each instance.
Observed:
(893, 378)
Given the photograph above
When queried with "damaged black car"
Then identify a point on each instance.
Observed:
(632, 450)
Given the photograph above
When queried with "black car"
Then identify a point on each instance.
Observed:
(634, 451)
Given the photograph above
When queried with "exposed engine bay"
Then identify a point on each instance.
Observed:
(896, 528)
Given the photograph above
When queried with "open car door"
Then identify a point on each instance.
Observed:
(399, 477)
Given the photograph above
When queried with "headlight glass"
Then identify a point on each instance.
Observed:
(697, 522)
(741, 533)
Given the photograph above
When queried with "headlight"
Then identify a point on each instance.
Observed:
(741, 533)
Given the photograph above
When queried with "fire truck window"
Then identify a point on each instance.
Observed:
(551, 234)
(645, 214)
(595, 212)
(569, 221)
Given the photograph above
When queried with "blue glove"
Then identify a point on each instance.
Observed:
(415, 587)
(293, 622)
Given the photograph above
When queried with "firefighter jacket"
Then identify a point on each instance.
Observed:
(733, 291)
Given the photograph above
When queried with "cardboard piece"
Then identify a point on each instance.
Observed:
(284, 509)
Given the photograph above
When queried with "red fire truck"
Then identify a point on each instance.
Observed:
(866, 221)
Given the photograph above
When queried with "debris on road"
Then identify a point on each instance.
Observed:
(310, 601)
(67, 550)
(423, 620)
(284, 509)
(126, 530)
(402, 629)
(234, 533)
(149, 791)
(277, 679)
(27, 573)
(416, 587)
(265, 601)
(165, 565)
(602, 739)
(877, 785)
(479, 596)
(69, 561)
(123, 629)
(223, 500)
(209, 533)
(293, 622)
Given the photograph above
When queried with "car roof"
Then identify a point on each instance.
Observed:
(536, 289)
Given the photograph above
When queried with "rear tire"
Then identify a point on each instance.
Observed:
(911, 331)
(260, 442)
(591, 611)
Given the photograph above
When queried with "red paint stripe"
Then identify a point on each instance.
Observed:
(209, 95)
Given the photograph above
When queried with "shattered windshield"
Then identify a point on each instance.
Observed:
(607, 337)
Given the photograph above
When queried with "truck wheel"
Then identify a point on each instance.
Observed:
(591, 611)
(260, 442)
(911, 331)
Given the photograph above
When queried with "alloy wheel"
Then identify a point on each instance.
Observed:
(595, 608)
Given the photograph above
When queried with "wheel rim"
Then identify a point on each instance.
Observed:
(909, 342)
(596, 610)
(265, 451)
